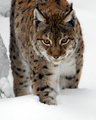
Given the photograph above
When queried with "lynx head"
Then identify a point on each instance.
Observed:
(54, 36)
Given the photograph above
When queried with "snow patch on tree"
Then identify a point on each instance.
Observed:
(5, 7)
(5, 88)
(4, 62)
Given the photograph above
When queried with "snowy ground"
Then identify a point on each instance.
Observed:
(72, 105)
(79, 104)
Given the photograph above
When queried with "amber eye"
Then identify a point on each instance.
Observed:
(64, 41)
(46, 42)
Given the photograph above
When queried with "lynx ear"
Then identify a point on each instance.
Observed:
(38, 16)
(70, 18)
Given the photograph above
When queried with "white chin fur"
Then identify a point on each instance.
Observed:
(57, 62)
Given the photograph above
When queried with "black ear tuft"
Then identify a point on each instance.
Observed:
(37, 4)
(57, 1)
(71, 6)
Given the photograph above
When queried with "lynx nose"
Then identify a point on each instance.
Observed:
(56, 56)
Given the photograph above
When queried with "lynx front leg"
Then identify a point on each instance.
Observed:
(42, 84)
(72, 81)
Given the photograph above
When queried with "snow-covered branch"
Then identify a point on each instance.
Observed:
(5, 7)
(5, 88)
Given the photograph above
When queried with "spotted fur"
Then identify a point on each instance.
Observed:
(46, 47)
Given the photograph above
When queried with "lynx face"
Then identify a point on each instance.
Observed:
(55, 39)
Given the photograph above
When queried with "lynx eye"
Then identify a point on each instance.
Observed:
(64, 41)
(46, 42)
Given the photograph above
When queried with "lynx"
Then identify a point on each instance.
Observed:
(46, 48)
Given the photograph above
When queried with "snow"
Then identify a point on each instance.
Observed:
(4, 62)
(72, 104)
(5, 7)
(5, 88)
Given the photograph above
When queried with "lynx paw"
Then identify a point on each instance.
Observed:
(48, 100)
